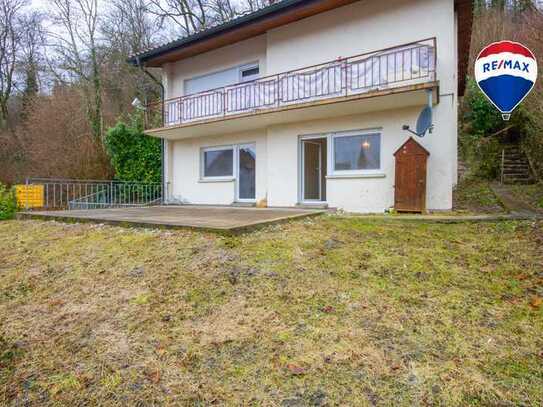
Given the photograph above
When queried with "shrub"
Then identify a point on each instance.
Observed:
(482, 135)
(8, 203)
(134, 156)
(480, 115)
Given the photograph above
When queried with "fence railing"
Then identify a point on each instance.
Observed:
(402, 65)
(56, 194)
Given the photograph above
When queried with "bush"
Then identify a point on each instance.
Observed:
(481, 138)
(134, 156)
(481, 117)
(8, 203)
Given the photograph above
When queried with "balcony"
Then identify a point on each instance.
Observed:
(389, 72)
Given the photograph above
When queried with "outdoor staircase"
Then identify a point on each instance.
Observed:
(515, 166)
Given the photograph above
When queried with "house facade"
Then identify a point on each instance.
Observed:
(305, 102)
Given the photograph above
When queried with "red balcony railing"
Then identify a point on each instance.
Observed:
(402, 65)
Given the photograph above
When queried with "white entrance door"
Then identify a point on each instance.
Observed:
(246, 173)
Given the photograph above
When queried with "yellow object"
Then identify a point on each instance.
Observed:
(263, 203)
(29, 196)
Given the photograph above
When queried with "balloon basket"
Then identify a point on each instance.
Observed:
(506, 117)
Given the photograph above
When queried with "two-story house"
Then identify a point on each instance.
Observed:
(304, 102)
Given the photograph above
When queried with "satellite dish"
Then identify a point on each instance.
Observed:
(137, 104)
(424, 123)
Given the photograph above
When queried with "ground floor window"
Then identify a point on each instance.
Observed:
(218, 162)
(356, 152)
(231, 163)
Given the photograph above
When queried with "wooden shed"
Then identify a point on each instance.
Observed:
(410, 183)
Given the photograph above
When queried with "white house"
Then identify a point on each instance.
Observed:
(304, 102)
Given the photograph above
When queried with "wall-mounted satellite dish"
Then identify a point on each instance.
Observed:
(424, 122)
(137, 104)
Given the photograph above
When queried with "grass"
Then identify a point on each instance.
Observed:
(324, 311)
(531, 194)
(474, 196)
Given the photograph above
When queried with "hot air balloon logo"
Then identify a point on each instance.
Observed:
(506, 72)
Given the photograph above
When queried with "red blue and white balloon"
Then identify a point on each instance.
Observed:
(506, 72)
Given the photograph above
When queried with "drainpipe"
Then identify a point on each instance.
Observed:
(162, 141)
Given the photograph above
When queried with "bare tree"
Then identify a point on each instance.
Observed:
(181, 13)
(11, 31)
(253, 5)
(31, 58)
(78, 53)
(193, 15)
(128, 27)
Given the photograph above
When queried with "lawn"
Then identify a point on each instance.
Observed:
(474, 196)
(531, 194)
(324, 311)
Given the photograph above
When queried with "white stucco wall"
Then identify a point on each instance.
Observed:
(358, 194)
(241, 53)
(187, 185)
(357, 28)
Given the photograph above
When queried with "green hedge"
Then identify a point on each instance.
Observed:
(134, 156)
(8, 203)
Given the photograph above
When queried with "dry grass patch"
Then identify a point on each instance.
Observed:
(474, 196)
(326, 311)
(531, 194)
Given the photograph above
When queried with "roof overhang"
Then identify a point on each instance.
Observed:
(238, 29)
(464, 12)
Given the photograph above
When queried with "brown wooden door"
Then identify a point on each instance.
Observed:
(410, 183)
(312, 171)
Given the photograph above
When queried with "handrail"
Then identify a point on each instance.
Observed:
(104, 181)
(303, 69)
(88, 194)
(503, 165)
(284, 88)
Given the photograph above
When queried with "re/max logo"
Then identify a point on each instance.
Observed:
(506, 64)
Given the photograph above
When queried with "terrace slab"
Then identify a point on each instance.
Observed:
(213, 218)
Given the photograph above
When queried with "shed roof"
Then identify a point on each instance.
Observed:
(412, 144)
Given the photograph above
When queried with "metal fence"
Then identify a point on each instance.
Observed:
(402, 65)
(57, 194)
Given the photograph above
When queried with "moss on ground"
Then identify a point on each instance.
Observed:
(531, 194)
(325, 311)
(474, 196)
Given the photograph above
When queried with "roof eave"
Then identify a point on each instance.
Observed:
(266, 16)
(236, 23)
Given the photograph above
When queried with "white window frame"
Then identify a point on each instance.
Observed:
(301, 182)
(236, 163)
(235, 166)
(203, 150)
(238, 68)
(246, 68)
(332, 154)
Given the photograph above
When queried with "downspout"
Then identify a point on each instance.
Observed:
(162, 141)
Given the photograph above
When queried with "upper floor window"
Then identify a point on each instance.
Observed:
(249, 73)
(226, 77)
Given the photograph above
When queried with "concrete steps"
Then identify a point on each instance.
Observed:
(516, 169)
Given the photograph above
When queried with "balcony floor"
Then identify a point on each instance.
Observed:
(378, 100)
(213, 218)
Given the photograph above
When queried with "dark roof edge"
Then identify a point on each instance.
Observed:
(214, 31)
